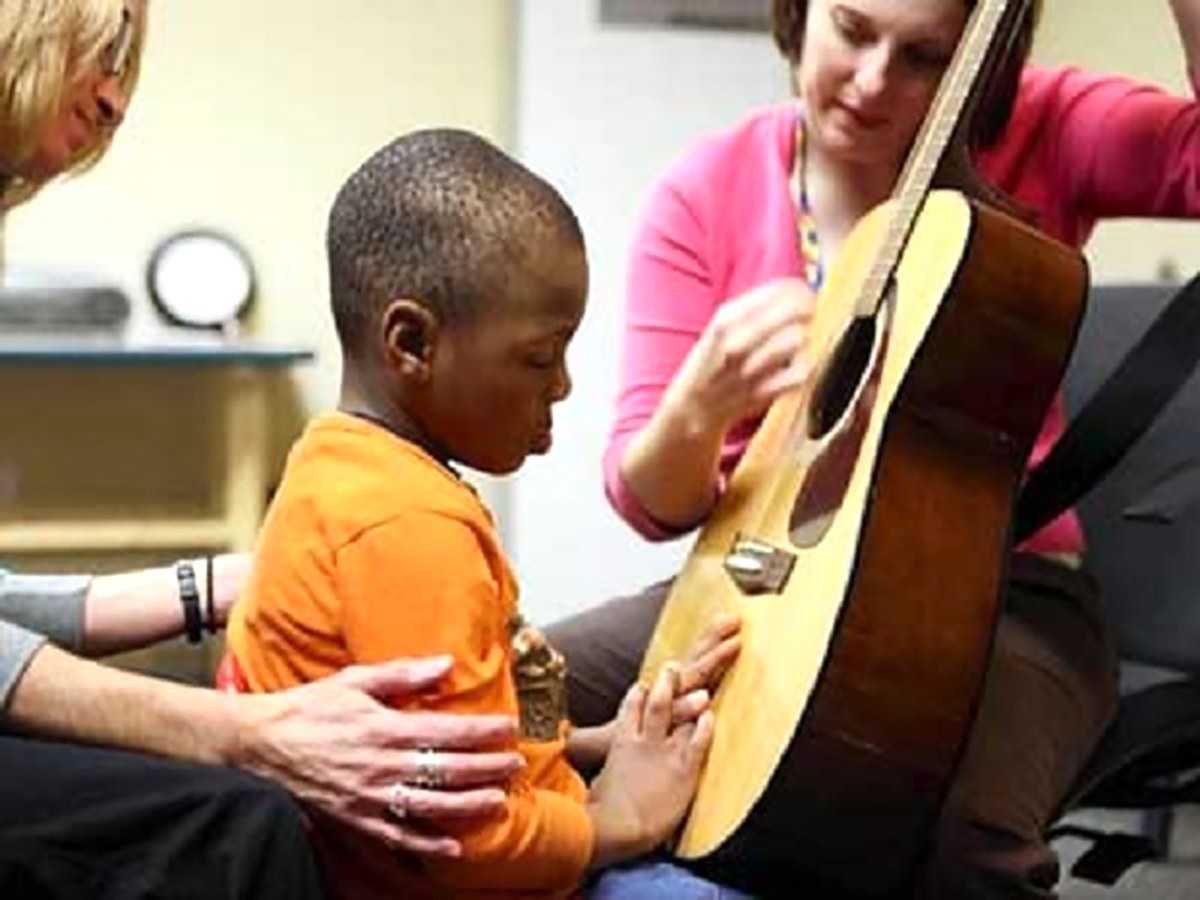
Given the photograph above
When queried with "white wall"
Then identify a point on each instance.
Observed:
(601, 112)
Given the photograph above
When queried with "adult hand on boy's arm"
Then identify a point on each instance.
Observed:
(331, 743)
(337, 748)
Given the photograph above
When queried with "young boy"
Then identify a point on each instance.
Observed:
(457, 280)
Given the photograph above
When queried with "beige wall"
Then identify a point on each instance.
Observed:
(1137, 38)
(250, 114)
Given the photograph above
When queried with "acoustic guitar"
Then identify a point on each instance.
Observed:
(864, 537)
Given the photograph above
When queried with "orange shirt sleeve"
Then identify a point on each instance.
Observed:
(426, 583)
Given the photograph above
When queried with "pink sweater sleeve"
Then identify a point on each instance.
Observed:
(720, 223)
(669, 301)
(1141, 147)
(1084, 147)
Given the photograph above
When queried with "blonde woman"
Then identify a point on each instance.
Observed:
(153, 814)
(67, 71)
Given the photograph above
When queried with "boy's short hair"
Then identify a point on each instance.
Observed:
(438, 216)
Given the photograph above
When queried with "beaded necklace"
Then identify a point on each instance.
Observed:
(806, 226)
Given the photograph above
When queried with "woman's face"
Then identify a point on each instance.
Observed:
(868, 71)
(93, 105)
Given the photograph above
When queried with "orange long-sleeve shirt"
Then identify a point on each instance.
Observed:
(372, 551)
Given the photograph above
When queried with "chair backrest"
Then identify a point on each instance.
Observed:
(1143, 521)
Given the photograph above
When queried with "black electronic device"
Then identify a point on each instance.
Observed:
(63, 310)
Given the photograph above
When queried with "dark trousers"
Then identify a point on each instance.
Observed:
(1050, 692)
(93, 824)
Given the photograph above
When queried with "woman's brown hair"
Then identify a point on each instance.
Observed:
(787, 28)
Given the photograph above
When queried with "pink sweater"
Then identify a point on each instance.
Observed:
(1079, 148)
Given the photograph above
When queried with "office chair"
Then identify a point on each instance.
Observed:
(1143, 531)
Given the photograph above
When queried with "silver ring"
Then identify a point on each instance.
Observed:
(430, 769)
(398, 804)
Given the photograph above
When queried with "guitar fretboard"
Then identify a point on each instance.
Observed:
(959, 88)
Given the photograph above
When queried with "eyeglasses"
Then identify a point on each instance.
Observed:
(117, 54)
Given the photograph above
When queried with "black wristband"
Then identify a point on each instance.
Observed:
(190, 598)
(210, 611)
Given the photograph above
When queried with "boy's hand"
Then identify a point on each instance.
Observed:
(651, 773)
(701, 671)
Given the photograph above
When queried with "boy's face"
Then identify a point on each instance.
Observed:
(496, 376)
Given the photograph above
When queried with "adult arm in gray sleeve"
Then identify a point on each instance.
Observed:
(52, 605)
(32, 609)
(113, 613)
(17, 646)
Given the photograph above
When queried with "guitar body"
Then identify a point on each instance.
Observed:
(885, 489)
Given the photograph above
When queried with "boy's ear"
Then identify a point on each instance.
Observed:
(410, 331)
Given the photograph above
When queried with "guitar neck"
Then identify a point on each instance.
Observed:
(977, 58)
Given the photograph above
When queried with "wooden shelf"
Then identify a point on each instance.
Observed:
(115, 535)
(231, 428)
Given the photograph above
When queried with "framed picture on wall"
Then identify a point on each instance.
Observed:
(739, 15)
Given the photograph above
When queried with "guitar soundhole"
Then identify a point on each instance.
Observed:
(839, 414)
(840, 381)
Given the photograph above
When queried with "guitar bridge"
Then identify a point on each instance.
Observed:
(758, 567)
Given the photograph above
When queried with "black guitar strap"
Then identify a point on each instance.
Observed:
(1120, 411)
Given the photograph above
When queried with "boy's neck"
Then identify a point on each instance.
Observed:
(369, 405)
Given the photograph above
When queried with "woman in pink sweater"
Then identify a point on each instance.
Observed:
(733, 245)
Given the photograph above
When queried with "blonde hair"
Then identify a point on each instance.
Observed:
(45, 45)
